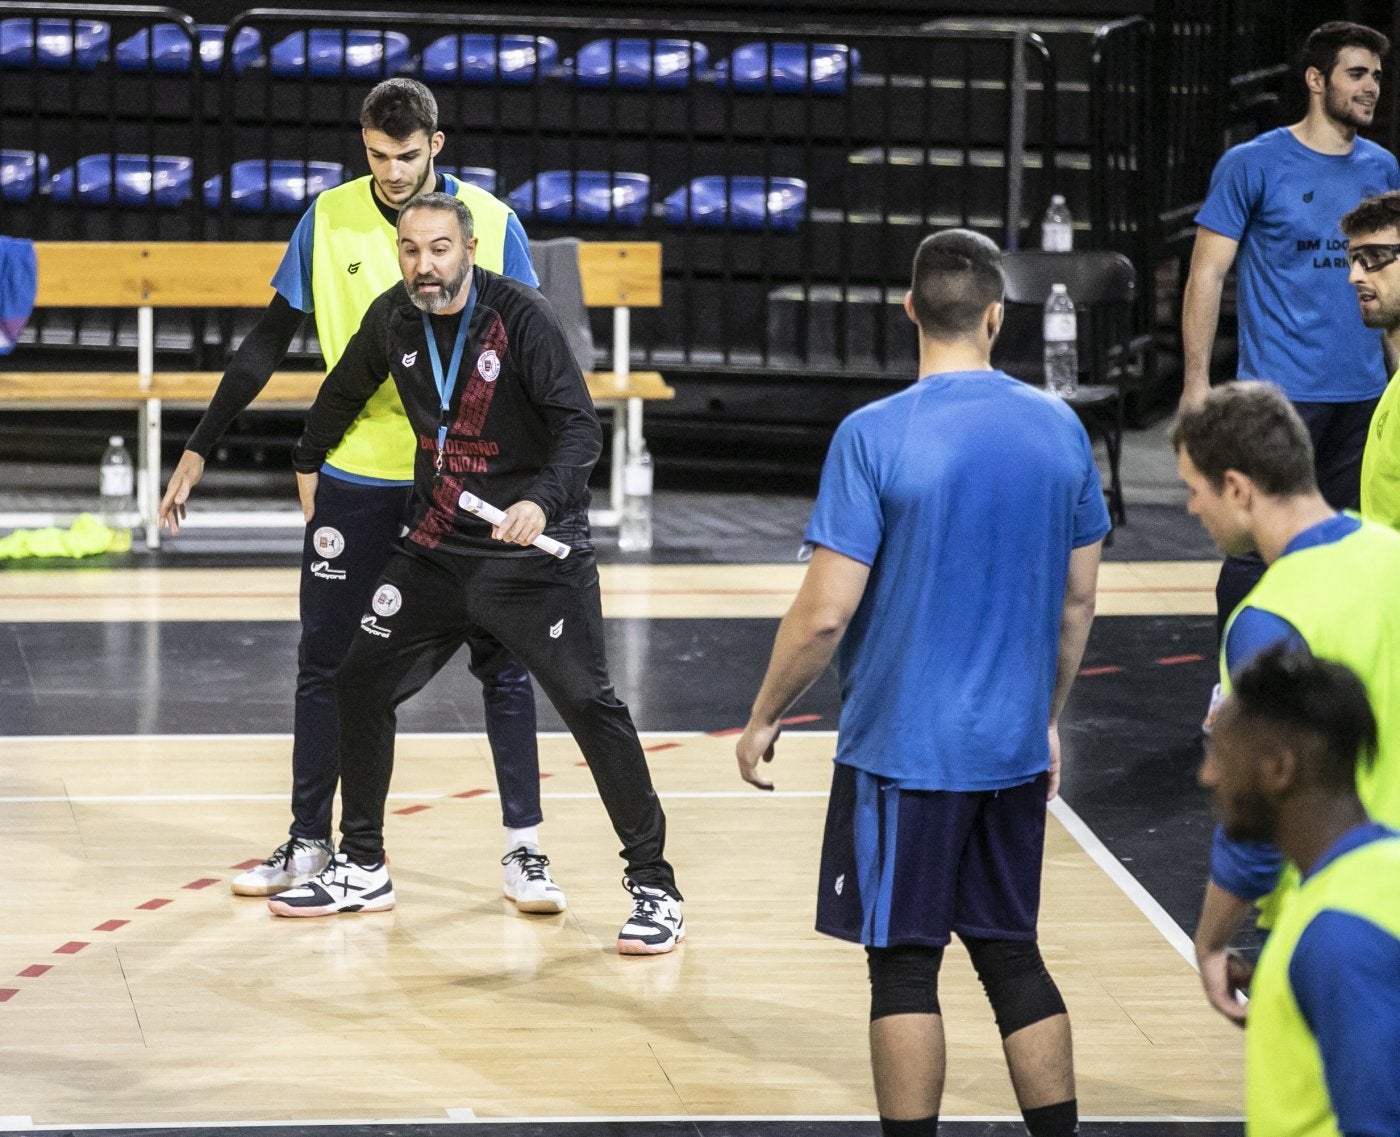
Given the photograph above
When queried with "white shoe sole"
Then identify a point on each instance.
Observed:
(636, 947)
(548, 905)
(262, 888)
(280, 908)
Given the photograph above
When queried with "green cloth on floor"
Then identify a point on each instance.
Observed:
(86, 538)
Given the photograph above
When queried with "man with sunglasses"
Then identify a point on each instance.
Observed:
(1373, 230)
(1272, 211)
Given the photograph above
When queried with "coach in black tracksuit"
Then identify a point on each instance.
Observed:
(519, 431)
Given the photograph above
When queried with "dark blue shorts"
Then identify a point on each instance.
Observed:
(914, 866)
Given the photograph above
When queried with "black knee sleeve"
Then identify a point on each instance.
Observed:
(904, 980)
(1018, 986)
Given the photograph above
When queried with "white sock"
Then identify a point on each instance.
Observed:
(529, 836)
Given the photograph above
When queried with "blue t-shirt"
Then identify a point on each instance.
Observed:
(1249, 869)
(293, 276)
(964, 494)
(1300, 325)
(1345, 975)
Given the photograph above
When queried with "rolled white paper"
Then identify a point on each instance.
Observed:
(488, 512)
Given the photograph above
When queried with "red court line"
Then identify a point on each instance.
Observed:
(1170, 660)
(8, 993)
(661, 746)
(795, 719)
(34, 970)
(544, 775)
(724, 733)
(152, 905)
(111, 925)
(1099, 670)
(72, 947)
(246, 865)
(472, 793)
(576, 764)
(202, 882)
(413, 809)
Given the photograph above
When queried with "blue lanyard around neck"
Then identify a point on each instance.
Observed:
(447, 381)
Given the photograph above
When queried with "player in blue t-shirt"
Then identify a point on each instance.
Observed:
(1274, 210)
(956, 542)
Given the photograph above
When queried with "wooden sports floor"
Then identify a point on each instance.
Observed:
(145, 757)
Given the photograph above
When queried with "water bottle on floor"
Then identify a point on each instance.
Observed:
(1061, 343)
(1057, 227)
(634, 530)
(117, 480)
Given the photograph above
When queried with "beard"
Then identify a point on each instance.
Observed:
(1385, 316)
(1252, 817)
(447, 291)
(1342, 111)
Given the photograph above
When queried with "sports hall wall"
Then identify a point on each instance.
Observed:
(787, 164)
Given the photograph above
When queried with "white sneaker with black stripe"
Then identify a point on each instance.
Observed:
(342, 886)
(292, 863)
(656, 925)
(528, 883)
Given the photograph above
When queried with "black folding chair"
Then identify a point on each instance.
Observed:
(1103, 286)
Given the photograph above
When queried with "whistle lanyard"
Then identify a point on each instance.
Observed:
(446, 381)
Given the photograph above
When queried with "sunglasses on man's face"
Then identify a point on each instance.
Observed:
(1373, 258)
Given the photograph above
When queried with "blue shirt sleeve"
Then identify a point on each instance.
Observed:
(1345, 975)
(516, 261)
(847, 517)
(1247, 869)
(293, 276)
(1091, 521)
(1252, 631)
(1236, 187)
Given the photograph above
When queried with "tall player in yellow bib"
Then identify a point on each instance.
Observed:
(1322, 1046)
(340, 258)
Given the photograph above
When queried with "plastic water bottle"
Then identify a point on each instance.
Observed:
(634, 531)
(117, 479)
(1057, 227)
(1061, 343)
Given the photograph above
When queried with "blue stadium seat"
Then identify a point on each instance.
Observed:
(585, 196)
(489, 59)
(277, 186)
(741, 202)
(667, 64)
(127, 179)
(329, 53)
(825, 68)
(52, 43)
(166, 48)
(22, 172)
(481, 176)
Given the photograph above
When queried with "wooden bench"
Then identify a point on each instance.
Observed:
(620, 275)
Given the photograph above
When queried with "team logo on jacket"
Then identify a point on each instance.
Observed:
(556, 630)
(410, 358)
(1307, 197)
(353, 267)
(328, 542)
(489, 365)
(387, 600)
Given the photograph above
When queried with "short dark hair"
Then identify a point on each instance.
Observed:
(400, 108)
(442, 203)
(1251, 427)
(1373, 214)
(1325, 42)
(957, 273)
(1292, 690)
